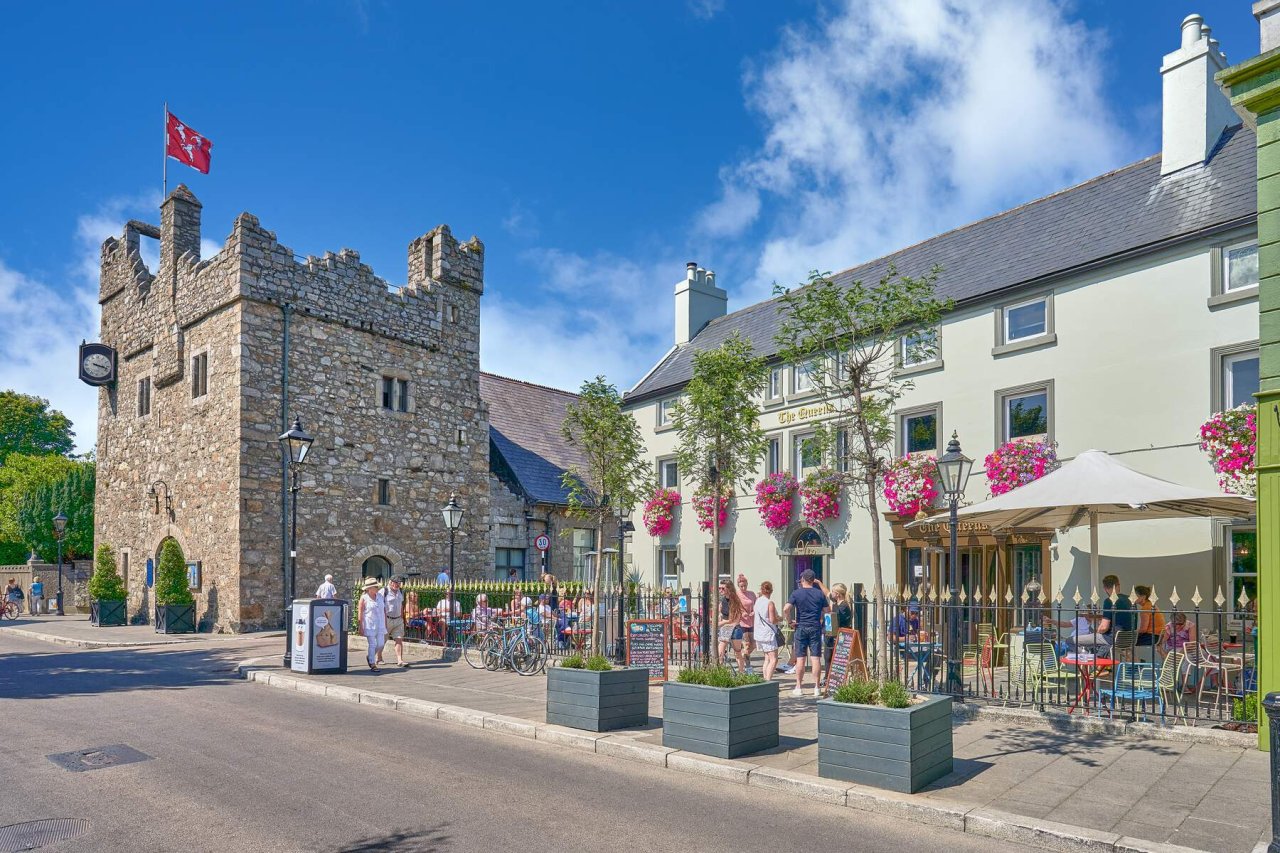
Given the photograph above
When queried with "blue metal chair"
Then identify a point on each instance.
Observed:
(1135, 682)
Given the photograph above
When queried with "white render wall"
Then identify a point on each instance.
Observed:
(1132, 372)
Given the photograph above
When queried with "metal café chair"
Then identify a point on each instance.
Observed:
(1135, 682)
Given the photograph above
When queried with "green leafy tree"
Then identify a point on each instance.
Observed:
(614, 471)
(28, 425)
(72, 495)
(106, 583)
(850, 337)
(171, 576)
(717, 420)
(20, 475)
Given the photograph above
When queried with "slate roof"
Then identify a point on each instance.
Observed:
(1129, 211)
(524, 432)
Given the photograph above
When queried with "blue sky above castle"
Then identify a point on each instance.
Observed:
(594, 147)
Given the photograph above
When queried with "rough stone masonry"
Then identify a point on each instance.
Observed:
(385, 380)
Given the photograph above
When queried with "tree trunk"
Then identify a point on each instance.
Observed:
(596, 626)
(877, 593)
(713, 629)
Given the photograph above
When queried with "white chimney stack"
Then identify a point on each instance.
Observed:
(1195, 110)
(1268, 14)
(698, 302)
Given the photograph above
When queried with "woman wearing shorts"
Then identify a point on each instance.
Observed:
(744, 633)
(766, 629)
(730, 614)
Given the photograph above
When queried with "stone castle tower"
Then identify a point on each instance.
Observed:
(216, 358)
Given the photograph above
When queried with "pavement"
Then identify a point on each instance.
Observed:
(228, 765)
(74, 629)
(1094, 789)
(1101, 785)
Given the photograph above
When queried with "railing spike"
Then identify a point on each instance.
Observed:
(1195, 598)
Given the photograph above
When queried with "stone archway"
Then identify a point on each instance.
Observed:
(358, 569)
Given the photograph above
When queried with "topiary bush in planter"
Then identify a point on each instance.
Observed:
(716, 711)
(878, 734)
(175, 606)
(106, 591)
(590, 694)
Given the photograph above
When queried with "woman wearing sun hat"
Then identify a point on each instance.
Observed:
(373, 619)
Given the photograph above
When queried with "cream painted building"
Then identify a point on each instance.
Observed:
(1117, 314)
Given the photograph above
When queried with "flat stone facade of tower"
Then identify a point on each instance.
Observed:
(201, 463)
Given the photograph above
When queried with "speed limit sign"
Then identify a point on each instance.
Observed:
(542, 543)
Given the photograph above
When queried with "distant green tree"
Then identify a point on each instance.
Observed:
(28, 425)
(609, 441)
(72, 495)
(106, 583)
(20, 475)
(171, 576)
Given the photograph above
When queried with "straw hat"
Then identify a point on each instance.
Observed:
(368, 582)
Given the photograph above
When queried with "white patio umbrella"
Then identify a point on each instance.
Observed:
(1096, 488)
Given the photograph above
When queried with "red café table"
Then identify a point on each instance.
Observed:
(577, 637)
(1088, 669)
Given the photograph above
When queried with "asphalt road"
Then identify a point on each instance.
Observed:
(244, 767)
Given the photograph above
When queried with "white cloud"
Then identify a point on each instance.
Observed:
(521, 222)
(894, 120)
(706, 9)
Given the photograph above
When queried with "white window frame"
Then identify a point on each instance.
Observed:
(668, 567)
(1226, 266)
(773, 454)
(797, 445)
(668, 464)
(905, 415)
(1005, 345)
(1220, 363)
(1004, 395)
(666, 411)
(777, 384)
(726, 561)
(582, 558)
(1220, 291)
(805, 370)
(905, 362)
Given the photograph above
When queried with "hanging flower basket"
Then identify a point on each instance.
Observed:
(660, 511)
(702, 507)
(775, 500)
(1230, 440)
(1017, 463)
(910, 484)
(821, 495)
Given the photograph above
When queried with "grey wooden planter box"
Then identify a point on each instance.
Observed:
(725, 722)
(597, 701)
(901, 749)
(175, 618)
(107, 613)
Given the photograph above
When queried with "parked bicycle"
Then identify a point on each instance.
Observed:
(511, 647)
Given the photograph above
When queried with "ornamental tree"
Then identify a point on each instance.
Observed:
(28, 425)
(72, 495)
(614, 471)
(106, 583)
(20, 475)
(848, 335)
(171, 576)
(717, 420)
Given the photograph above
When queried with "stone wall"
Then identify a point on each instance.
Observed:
(218, 457)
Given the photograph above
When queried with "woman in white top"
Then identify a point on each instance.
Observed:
(766, 629)
(373, 619)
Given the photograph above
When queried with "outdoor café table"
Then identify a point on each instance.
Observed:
(577, 637)
(1088, 669)
(922, 654)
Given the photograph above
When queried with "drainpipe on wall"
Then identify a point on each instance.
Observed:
(287, 311)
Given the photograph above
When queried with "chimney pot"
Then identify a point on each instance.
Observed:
(1191, 29)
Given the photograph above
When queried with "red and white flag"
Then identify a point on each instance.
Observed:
(187, 146)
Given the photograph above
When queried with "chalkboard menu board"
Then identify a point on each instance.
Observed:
(647, 646)
(847, 658)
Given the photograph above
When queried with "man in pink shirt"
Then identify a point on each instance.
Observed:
(744, 642)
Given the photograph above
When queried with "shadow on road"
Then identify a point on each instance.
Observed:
(421, 840)
(79, 673)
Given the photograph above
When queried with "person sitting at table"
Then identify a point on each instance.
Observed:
(483, 616)
(519, 604)
(1116, 616)
(1079, 626)
(586, 609)
(1150, 620)
(1176, 634)
(906, 626)
(442, 609)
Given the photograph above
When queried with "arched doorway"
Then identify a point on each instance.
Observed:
(807, 549)
(376, 566)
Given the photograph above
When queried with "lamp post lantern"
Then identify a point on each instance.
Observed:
(59, 531)
(452, 513)
(953, 474)
(294, 446)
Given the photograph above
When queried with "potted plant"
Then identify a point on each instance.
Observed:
(106, 591)
(878, 734)
(175, 606)
(716, 711)
(591, 694)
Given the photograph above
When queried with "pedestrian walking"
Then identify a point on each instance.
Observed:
(765, 629)
(394, 600)
(730, 616)
(373, 619)
(805, 609)
(13, 594)
(35, 603)
(744, 635)
(327, 589)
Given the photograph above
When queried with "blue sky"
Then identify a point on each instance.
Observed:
(595, 147)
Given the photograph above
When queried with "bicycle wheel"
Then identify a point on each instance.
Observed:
(10, 610)
(475, 649)
(526, 655)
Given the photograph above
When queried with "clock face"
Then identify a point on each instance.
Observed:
(97, 365)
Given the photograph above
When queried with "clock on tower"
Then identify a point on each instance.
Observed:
(97, 364)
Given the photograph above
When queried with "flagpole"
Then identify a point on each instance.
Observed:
(164, 169)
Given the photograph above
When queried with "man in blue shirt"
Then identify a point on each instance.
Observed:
(1116, 616)
(37, 596)
(443, 577)
(805, 609)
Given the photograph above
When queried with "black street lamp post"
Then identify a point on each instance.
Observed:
(59, 531)
(625, 526)
(294, 445)
(453, 520)
(953, 473)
